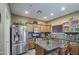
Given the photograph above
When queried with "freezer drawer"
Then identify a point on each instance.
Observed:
(16, 49)
(19, 48)
(24, 47)
(13, 49)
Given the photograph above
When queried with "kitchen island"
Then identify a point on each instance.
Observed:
(43, 48)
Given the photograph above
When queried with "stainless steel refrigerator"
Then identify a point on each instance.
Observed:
(18, 40)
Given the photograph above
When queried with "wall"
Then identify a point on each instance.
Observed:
(62, 19)
(5, 29)
(16, 18)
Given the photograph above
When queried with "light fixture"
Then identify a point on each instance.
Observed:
(62, 9)
(45, 17)
(51, 14)
(26, 12)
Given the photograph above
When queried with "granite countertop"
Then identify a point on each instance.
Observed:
(75, 41)
(52, 45)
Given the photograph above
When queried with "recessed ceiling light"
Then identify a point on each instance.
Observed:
(45, 17)
(51, 14)
(26, 12)
(63, 8)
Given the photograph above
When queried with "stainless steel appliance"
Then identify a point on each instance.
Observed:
(36, 32)
(19, 39)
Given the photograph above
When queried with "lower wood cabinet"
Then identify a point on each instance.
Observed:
(39, 50)
(75, 48)
(31, 43)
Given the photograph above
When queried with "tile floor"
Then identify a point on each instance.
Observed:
(30, 52)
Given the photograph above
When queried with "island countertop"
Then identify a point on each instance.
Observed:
(42, 48)
(52, 45)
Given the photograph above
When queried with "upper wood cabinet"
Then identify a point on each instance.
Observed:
(66, 27)
(30, 27)
(43, 28)
(48, 28)
(71, 26)
(37, 26)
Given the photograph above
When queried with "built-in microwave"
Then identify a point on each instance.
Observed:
(36, 34)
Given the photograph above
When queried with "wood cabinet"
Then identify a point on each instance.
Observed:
(66, 27)
(48, 28)
(42, 28)
(31, 43)
(40, 50)
(71, 26)
(30, 27)
(75, 48)
(36, 26)
(45, 28)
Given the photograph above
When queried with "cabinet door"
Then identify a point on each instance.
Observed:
(49, 28)
(30, 27)
(42, 28)
(36, 26)
(39, 50)
(31, 44)
(45, 28)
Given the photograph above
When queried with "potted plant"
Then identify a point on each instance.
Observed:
(16, 23)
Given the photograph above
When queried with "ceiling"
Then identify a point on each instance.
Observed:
(42, 10)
